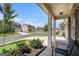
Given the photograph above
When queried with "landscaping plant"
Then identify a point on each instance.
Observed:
(36, 43)
(23, 48)
(11, 52)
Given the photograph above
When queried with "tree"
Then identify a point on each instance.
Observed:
(62, 28)
(45, 28)
(0, 26)
(8, 15)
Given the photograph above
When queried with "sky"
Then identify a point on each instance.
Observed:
(30, 13)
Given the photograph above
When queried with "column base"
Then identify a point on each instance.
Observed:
(46, 52)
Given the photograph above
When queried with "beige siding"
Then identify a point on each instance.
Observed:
(24, 28)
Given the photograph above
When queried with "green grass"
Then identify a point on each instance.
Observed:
(10, 33)
(1, 35)
(12, 45)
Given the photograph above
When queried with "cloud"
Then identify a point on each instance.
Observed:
(18, 20)
(58, 22)
(35, 24)
(30, 21)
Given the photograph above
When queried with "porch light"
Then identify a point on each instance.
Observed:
(61, 13)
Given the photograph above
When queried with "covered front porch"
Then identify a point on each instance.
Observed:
(70, 13)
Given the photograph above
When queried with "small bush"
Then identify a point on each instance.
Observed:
(20, 44)
(27, 49)
(63, 34)
(12, 52)
(23, 47)
(5, 51)
(57, 32)
(36, 43)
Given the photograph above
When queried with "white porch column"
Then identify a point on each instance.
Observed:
(50, 33)
(66, 29)
(54, 35)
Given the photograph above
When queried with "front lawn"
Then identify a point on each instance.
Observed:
(12, 45)
(10, 33)
(1, 35)
(23, 48)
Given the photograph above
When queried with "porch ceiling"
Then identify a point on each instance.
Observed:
(58, 10)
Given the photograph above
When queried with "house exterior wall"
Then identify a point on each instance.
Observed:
(68, 29)
(17, 29)
(73, 27)
(39, 29)
(24, 28)
(77, 24)
(27, 28)
(70, 33)
(74, 30)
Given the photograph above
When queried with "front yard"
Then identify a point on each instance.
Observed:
(12, 45)
(1, 35)
(22, 48)
(10, 33)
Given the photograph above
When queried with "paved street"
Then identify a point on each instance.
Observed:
(60, 41)
(12, 38)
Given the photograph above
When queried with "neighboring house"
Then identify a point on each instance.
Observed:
(58, 30)
(27, 28)
(39, 29)
(18, 28)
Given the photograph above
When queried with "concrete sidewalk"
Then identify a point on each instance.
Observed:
(45, 38)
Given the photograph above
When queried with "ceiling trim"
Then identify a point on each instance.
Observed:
(43, 7)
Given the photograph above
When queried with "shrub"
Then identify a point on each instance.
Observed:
(57, 32)
(23, 48)
(27, 49)
(36, 43)
(5, 51)
(20, 44)
(12, 52)
(63, 34)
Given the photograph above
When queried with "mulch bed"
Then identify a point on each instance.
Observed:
(36, 52)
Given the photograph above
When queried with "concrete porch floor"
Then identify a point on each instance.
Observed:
(61, 42)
